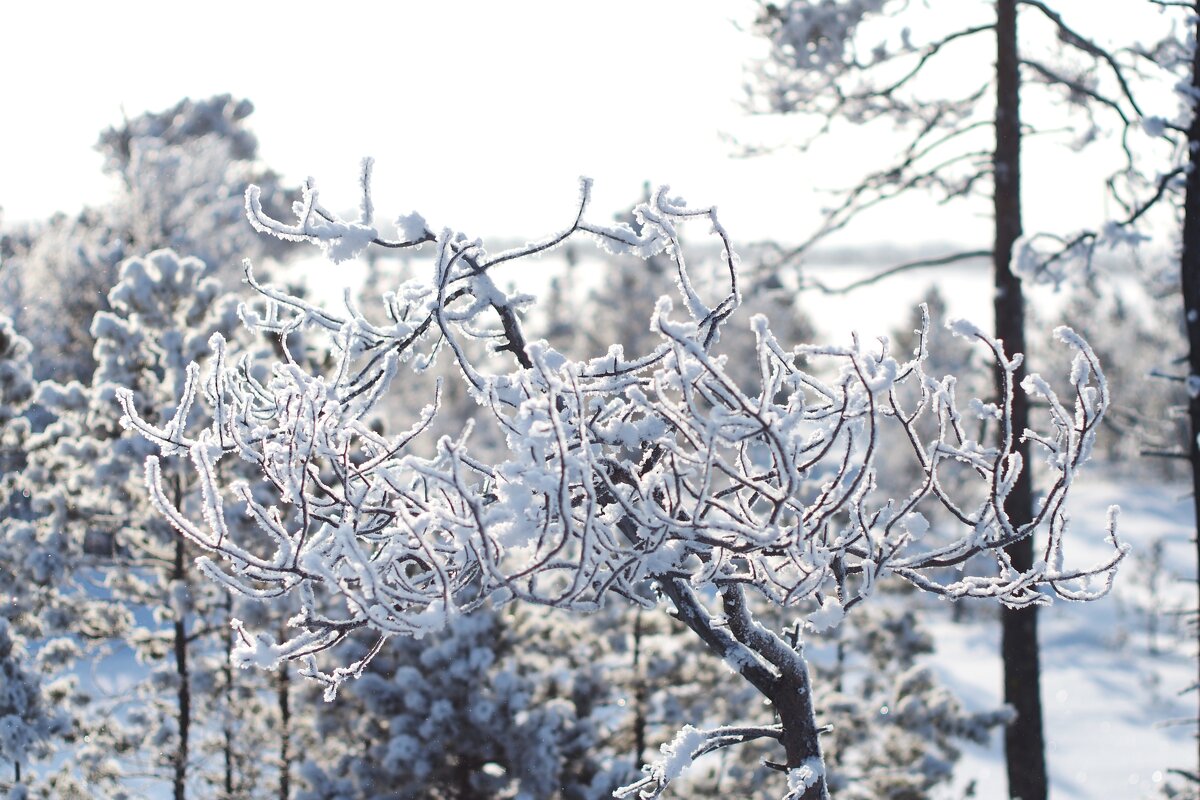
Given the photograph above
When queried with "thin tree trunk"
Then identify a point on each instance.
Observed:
(285, 733)
(185, 693)
(1189, 263)
(639, 693)
(227, 671)
(1024, 746)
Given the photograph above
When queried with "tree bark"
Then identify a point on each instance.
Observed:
(1189, 267)
(227, 673)
(801, 742)
(639, 693)
(1024, 744)
(184, 695)
(285, 733)
(768, 663)
(228, 733)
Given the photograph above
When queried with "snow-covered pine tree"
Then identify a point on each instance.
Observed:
(16, 390)
(628, 476)
(139, 579)
(179, 176)
(504, 703)
(30, 717)
(34, 712)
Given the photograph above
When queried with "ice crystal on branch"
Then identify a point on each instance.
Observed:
(622, 472)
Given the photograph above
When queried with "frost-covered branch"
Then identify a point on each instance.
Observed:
(1049, 258)
(687, 746)
(620, 472)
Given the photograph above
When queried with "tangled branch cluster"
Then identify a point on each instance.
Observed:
(620, 471)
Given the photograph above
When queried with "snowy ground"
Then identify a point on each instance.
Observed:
(1112, 707)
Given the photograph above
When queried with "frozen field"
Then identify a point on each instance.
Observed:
(1113, 707)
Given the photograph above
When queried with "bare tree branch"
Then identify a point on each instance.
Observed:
(920, 263)
(1071, 37)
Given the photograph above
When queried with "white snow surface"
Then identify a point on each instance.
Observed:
(1115, 721)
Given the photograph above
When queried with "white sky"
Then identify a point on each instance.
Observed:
(480, 114)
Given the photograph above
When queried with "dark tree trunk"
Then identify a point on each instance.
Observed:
(1189, 264)
(285, 734)
(228, 750)
(793, 703)
(227, 673)
(785, 682)
(639, 693)
(1024, 746)
(185, 692)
